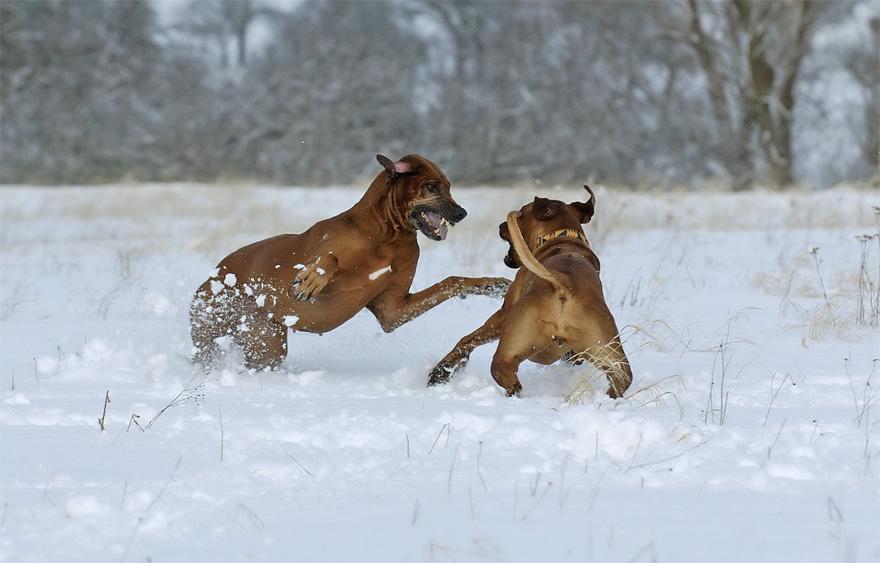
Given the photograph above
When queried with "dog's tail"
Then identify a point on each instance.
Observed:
(527, 258)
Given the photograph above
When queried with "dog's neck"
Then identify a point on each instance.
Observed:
(564, 234)
(546, 244)
(381, 200)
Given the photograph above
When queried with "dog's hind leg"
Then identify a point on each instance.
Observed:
(263, 340)
(504, 370)
(209, 321)
(611, 359)
(598, 339)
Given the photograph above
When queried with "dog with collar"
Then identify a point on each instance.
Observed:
(555, 308)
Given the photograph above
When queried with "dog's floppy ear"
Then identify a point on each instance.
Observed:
(388, 164)
(585, 210)
(545, 209)
(394, 169)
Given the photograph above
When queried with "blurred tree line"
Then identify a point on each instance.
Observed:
(743, 92)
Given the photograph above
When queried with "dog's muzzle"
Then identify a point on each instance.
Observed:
(510, 261)
(434, 220)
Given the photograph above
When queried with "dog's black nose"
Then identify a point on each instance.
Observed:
(458, 213)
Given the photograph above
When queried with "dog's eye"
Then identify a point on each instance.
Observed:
(432, 187)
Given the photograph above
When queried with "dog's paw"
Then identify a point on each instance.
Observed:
(309, 282)
(494, 287)
(312, 278)
(513, 390)
(301, 294)
(440, 374)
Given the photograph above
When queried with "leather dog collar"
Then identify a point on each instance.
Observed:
(564, 233)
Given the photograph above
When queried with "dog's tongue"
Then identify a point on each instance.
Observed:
(437, 224)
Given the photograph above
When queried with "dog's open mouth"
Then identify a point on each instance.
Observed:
(431, 224)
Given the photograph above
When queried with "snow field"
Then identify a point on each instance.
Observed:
(749, 432)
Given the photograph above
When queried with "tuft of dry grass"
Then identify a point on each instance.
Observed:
(829, 320)
(589, 384)
(848, 300)
(663, 393)
(656, 335)
(835, 316)
(868, 301)
(610, 360)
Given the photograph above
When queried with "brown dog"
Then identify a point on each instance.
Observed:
(317, 280)
(555, 308)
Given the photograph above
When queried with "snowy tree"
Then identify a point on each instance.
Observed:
(863, 63)
(74, 88)
(223, 22)
(642, 93)
(751, 54)
(336, 86)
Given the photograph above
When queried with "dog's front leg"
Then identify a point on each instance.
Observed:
(313, 277)
(393, 310)
(458, 357)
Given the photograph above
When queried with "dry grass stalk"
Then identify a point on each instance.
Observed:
(104, 415)
(134, 419)
(868, 301)
(194, 395)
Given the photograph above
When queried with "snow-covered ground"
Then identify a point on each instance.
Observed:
(750, 432)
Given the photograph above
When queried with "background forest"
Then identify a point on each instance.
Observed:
(735, 93)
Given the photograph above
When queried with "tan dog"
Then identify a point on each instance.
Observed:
(555, 308)
(317, 280)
